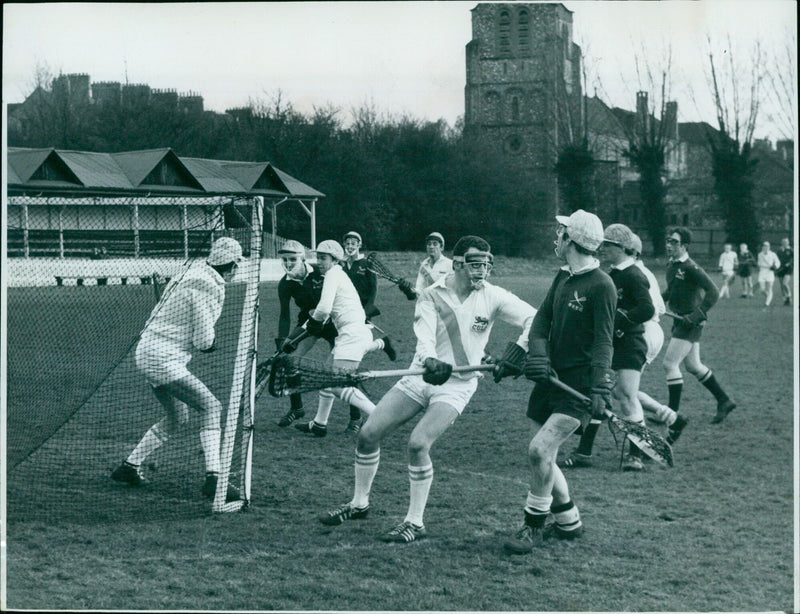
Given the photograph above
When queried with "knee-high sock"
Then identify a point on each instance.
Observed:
(420, 479)
(587, 438)
(357, 398)
(536, 509)
(210, 441)
(366, 466)
(675, 387)
(296, 400)
(710, 382)
(152, 440)
(377, 344)
(567, 516)
(657, 411)
(324, 407)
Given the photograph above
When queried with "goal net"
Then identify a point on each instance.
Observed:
(85, 279)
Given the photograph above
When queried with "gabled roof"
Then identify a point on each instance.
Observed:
(26, 161)
(246, 173)
(211, 175)
(696, 133)
(96, 169)
(294, 186)
(602, 120)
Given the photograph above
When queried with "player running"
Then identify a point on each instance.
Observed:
(571, 338)
(183, 322)
(435, 266)
(634, 308)
(340, 302)
(768, 263)
(690, 294)
(452, 322)
(728, 262)
(784, 273)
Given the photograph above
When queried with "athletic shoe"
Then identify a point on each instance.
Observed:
(632, 463)
(346, 512)
(723, 409)
(787, 301)
(575, 460)
(318, 430)
(354, 426)
(676, 429)
(210, 488)
(404, 533)
(554, 531)
(389, 349)
(291, 415)
(129, 474)
(524, 540)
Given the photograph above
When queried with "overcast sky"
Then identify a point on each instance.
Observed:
(403, 57)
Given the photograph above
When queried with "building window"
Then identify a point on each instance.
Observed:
(523, 32)
(504, 33)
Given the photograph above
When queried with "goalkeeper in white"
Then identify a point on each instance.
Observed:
(452, 322)
(184, 321)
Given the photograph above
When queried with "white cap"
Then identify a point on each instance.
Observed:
(331, 247)
(619, 234)
(352, 234)
(437, 236)
(224, 251)
(292, 247)
(637, 244)
(585, 229)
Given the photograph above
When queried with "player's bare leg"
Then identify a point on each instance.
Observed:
(627, 398)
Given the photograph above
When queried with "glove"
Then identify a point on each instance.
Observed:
(406, 288)
(279, 341)
(696, 318)
(314, 327)
(602, 384)
(436, 371)
(511, 364)
(371, 311)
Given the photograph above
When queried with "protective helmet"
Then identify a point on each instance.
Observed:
(292, 247)
(637, 244)
(436, 236)
(331, 247)
(224, 251)
(584, 229)
(619, 234)
(352, 234)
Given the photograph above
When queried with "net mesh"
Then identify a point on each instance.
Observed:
(84, 276)
(292, 374)
(647, 440)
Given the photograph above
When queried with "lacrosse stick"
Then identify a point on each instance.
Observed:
(263, 368)
(381, 270)
(290, 374)
(674, 316)
(647, 440)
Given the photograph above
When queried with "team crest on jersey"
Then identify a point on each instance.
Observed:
(576, 302)
(317, 283)
(679, 274)
(480, 324)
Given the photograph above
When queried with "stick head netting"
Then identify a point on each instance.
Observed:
(380, 269)
(647, 440)
(291, 374)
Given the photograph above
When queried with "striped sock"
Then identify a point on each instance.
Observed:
(357, 398)
(366, 466)
(420, 479)
(567, 516)
(710, 382)
(326, 400)
(587, 438)
(536, 509)
(675, 387)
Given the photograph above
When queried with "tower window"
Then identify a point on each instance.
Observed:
(504, 33)
(523, 32)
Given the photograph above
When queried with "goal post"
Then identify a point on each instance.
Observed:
(88, 281)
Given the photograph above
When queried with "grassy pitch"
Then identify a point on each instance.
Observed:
(713, 533)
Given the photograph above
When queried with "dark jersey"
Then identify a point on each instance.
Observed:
(689, 287)
(634, 305)
(786, 256)
(305, 293)
(366, 284)
(577, 319)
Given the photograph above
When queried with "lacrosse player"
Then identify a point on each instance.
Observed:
(340, 302)
(183, 322)
(452, 322)
(654, 337)
(366, 284)
(727, 268)
(634, 308)
(571, 338)
(746, 262)
(768, 263)
(303, 283)
(436, 265)
(784, 273)
(690, 294)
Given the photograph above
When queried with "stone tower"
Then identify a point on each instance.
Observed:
(522, 97)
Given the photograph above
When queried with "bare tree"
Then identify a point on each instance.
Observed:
(780, 80)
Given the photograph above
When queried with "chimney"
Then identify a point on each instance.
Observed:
(671, 121)
(642, 114)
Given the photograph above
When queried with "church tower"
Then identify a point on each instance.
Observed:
(522, 96)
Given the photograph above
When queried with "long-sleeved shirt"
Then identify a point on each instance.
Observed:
(577, 319)
(655, 291)
(190, 312)
(786, 256)
(429, 272)
(634, 305)
(768, 261)
(457, 332)
(365, 282)
(339, 300)
(306, 295)
(689, 287)
(728, 261)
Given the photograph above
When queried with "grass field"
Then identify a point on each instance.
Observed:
(713, 533)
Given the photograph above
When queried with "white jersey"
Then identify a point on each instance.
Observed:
(189, 314)
(768, 261)
(655, 292)
(432, 272)
(728, 261)
(456, 332)
(339, 300)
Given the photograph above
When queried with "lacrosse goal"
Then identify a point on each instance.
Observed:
(85, 276)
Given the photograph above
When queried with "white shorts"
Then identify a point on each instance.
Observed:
(654, 337)
(161, 361)
(352, 342)
(728, 275)
(766, 275)
(455, 392)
